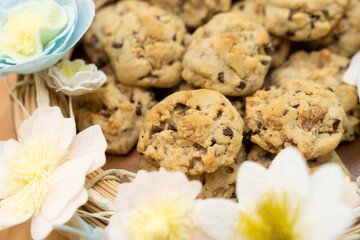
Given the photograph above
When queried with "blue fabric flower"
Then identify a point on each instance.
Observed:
(80, 15)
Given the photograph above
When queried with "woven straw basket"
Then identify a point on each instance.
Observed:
(103, 182)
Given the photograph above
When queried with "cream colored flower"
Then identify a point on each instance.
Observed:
(283, 202)
(156, 206)
(42, 176)
(75, 77)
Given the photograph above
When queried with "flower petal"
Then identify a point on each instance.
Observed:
(9, 221)
(352, 73)
(326, 186)
(289, 172)
(350, 195)
(69, 180)
(217, 217)
(40, 227)
(162, 182)
(47, 123)
(7, 155)
(252, 180)
(116, 228)
(90, 144)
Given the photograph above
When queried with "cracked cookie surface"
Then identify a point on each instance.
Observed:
(298, 113)
(302, 20)
(194, 132)
(229, 54)
(119, 110)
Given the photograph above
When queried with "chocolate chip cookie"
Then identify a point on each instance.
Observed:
(193, 13)
(280, 46)
(344, 38)
(302, 20)
(229, 54)
(194, 132)
(298, 113)
(119, 110)
(95, 37)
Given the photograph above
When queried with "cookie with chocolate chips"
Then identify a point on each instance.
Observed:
(344, 38)
(280, 46)
(302, 20)
(298, 113)
(194, 132)
(95, 38)
(119, 110)
(228, 54)
(326, 69)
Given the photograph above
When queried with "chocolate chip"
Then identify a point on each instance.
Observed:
(290, 141)
(242, 85)
(228, 132)
(336, 123)
(291, 14)
(221, 77)
(296, 106)
(138, 110)
(117, 45)
(338, 36)
(213, 142)
(132, 98)
(259, 125)
(174, 38)
(325, 12)
(172, 127)
(298, 91)
(156, 129)
(198, 108)
(285, 112)
(289, 33)
(94, 38)
(312, 23)
(265, 62)
(241, 7)
(268, 50)
(330, 89)
(229, 170)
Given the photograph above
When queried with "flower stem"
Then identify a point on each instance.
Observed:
(71, 108)
(15, 97)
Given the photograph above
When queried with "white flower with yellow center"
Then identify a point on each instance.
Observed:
(156, 206)
(75, 77)
(27, 28)
(282, 203)
(43, 175)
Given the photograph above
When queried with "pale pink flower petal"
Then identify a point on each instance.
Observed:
(7, 155)
(255, 174)
(49, 124)
(289, 172)
(9, 221)
(93, 150)
(162, 182)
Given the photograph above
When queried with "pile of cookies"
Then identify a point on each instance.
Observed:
(201, 86)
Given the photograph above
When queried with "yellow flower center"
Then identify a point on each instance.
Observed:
(166, 218)
(29, 175)
(69, 69)
(273, 217)
(20, 32)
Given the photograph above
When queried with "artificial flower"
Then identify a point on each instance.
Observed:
(283, 202)
(42, 175)
(2, 145)
(36, 34)
(351, 75)
(156, 206)
(75, 77)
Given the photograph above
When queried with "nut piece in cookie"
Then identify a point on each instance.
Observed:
(228, 54)
(302, 20)
(119, 110)
(194, 132)
(298, 113)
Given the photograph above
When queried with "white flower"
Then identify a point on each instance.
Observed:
(43, 175)
(156, 206)
(283, 202)
(75, 78)
(351, 75)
